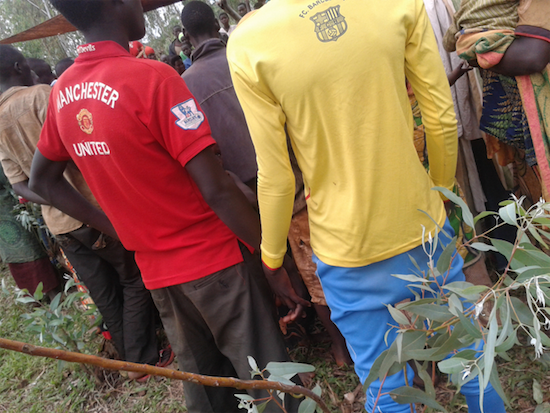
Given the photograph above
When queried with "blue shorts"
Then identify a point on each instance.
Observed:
(357, 298)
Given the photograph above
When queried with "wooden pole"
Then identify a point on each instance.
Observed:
(159, 371)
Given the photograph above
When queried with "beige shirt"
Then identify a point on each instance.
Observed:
(22, 114)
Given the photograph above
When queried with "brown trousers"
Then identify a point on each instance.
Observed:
(214, 323)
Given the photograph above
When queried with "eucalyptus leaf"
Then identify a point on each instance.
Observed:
(285, 368)
(543, 408)
(407, 395)
(508, 214)
(537, 392)
(489, 354)
(453, 365)
(411, 278)
(398, 316)
(455, 305)
(261, 407)
(466, 213)
(55, 302)
(431, 311)
(483, 215)
(38, 294)
(307, 406)
(495, 381)
(444, 260)
(480, 246)
(280, 379)
(426, 378)
(25, 300)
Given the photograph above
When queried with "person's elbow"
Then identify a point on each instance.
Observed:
(218, 192)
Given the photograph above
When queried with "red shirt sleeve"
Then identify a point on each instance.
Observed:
(187, 132)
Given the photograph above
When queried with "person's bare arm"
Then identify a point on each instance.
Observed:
(22, 189)
(229, 10)
(458, 72)
(525, 56)
(47, 181)
(224, 197)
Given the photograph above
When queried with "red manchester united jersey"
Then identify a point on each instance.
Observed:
(129, 125)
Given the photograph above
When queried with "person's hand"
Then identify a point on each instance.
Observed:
(280, 285)
(222, 4)
(458, 72)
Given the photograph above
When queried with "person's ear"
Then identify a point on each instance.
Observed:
(17, 68)
(185, 36)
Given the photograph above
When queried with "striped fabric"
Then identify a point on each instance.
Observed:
(476, 16)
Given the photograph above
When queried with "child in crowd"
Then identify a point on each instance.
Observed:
(176, 63)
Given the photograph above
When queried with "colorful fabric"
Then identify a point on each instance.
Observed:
(129, 139)
(503, 114)
(299, 240)
(476, 16)
(535, 95)
(352, 140)
(488, 47)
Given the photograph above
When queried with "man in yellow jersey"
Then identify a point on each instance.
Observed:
(350, 125)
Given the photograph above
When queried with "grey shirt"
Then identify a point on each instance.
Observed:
(209, 81)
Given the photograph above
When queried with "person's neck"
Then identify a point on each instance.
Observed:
(198, 40)
(226, 26)
(100, 34)
(10, 83)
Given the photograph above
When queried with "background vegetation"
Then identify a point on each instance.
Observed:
(19, 15)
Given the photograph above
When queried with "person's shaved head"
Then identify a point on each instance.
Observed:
(198, 19)
(63, 65)
(42, 69)
(9, 55)
(82, 14)
(14, 69)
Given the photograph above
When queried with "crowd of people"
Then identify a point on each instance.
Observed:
(248, 165)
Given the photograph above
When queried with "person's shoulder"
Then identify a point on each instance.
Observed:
(155, 70)
(28, 95)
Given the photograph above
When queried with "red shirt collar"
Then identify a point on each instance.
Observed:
(96, 50)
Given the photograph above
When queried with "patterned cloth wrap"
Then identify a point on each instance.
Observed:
(483, 30)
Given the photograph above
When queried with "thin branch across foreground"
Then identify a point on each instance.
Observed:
(159, 371)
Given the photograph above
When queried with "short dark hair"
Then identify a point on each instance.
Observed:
(173, 59)
(198, 18)
(39, 66)
(82, 13)
(9, 55)
(63, 65)
(223, 14)
(242, 4)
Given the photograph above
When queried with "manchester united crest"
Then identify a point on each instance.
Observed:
(329, 24)
(85, 121)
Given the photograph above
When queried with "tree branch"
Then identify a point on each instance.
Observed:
(159, 371)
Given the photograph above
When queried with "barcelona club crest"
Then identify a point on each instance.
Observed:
(85, 121)
(329, 24)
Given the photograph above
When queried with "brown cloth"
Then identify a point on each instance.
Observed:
(298, 238)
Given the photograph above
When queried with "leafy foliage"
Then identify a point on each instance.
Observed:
(282, 373)
(53, 323)
(444, 319)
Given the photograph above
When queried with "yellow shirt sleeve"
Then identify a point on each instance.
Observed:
(431, 87)
(266, 122)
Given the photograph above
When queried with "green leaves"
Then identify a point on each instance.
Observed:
(407, 395)
(309, 405)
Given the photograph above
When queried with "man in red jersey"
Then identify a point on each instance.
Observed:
(144, 149)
